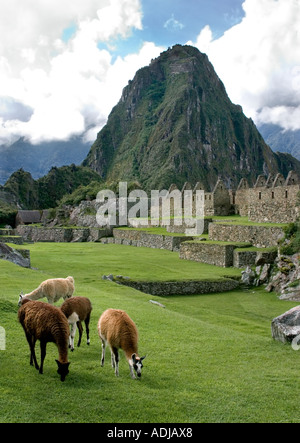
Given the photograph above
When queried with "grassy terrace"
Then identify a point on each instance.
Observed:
(233, 219)
(240, 245)
(243, 221)
(210, 358)
(143, 264)
(153, 230)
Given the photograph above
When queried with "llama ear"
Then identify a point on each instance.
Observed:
(133, 358)
(143, 358)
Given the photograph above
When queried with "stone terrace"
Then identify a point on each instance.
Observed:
(228, 245)
(213, 253)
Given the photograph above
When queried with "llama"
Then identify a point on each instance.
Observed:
(77, 309)
(46, 323)
(116, 328)
(53, 289)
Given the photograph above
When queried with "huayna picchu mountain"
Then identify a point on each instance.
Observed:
(176, 123)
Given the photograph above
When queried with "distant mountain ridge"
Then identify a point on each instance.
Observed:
(176, 123)
(281, 140)
(39, 159)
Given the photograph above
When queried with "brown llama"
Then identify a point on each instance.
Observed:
(116, 328)
(76, 310)
(46, 323)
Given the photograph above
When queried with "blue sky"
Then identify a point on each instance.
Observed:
(188, 18)
(168, 22)
(64, 63)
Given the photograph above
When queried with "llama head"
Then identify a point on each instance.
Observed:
(137, 364)
(20, 299)
(63, 369)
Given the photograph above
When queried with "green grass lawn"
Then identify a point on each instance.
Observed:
(210, 358)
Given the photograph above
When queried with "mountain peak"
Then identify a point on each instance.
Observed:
(175, 123)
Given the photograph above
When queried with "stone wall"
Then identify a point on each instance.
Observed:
(222, 204)
(38, 234)
(241, 198)
(15, 239)
(209, 252)
(243, 257)
(258, 236)
(143, 239)
(273, 205)
(273, 199)
(188, 287)
(183, 227)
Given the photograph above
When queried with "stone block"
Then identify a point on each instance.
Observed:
(213, 253)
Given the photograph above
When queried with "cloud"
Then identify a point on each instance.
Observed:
(173, 25)
(53, 87)
(258, 60)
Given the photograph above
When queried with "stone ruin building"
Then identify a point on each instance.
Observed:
(272, 199)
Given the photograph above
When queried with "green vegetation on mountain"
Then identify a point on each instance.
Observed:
(90, 191)
(47, 191)
(175, 123)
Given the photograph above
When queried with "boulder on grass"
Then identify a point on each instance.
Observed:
(287, 326)
(20, 258)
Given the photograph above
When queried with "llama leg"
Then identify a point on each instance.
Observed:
(132, 374)
(87, 322)
(113, 363)
(103, 352)
(43, 354)
(31, 340)
(116, 359)
(72, 335)
(80, 329)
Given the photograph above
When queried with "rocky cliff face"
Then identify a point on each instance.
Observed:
(285, 280)
(175, 123)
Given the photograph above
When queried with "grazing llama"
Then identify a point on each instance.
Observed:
(53, 289)
(117, 329)
(76, 310)
(46, 323)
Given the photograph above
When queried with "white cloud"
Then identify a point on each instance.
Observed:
(173, 24)
(69, 85)
(259, 60)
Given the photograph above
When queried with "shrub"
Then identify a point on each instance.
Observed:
(292, 233)
(7, 215)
